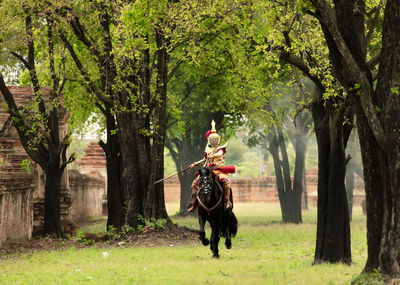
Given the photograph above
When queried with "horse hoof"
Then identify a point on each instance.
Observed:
(216, 256)
(228, 244)
(205, 242)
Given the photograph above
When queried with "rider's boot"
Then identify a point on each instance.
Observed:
(193, 201)
(227, 192)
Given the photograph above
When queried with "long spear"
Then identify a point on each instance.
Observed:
(172, 175)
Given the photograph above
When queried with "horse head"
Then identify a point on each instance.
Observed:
(206, 184)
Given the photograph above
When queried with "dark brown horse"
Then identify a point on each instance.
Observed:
(211, 208)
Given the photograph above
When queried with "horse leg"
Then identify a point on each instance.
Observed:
(214, 241)
(212, 238)
(228, 241)
(202, 232)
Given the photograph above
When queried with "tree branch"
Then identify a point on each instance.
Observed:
(174, 154)
(80, 32)
(31, 66)
(329, 21)
(300, 64)
(21, 58)
(81, 69)
(65, 162)
(174, 69)
(374, 61)
(21, 125)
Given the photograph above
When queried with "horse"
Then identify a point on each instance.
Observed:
(211, 208)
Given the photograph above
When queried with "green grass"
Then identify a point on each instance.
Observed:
(264, 252)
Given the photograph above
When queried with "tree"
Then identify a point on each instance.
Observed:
(294, 39)
(38, 123)
(272, 134)
(377, 107)
(188, 122)
(134, 49)
(122, 57)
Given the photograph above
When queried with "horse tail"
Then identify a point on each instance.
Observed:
(233, 225)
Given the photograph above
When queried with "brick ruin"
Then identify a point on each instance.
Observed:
(264, 189)
(22, 182)
(16, 192)
(88, 185)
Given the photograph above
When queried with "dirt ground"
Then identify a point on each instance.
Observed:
(170, 235)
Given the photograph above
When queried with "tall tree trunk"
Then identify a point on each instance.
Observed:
(135, 167)
(292, 194)
(326, 182)
(143, 159)
(298, 138)
(299, 174)
(289, 200)
(328, 177)
(374, 184)
(187, 154)
(154, 201)
(52, 221)
(115, 196)
(182, 159)
(378, 119)
(387, 98)
(333, 225)
(274, 150)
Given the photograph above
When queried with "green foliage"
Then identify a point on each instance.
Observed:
(157, 223)
(152, 223)
(126, 229)
(213, 80)
(374, 278)
(81, 238)
(26, 166)
(112, 231)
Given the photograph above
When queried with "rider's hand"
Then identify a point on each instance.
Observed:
(192, 165)
(210, 156)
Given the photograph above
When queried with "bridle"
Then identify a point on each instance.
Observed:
(209, 210)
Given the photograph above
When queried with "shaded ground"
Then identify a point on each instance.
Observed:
(170, 235)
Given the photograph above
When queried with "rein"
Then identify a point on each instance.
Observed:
(216, 205)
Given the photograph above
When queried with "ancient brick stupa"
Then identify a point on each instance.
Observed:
(94, 161)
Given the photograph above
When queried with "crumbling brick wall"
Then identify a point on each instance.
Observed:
(87, 195)
(16, 216)
(262, 189)
(89, 186)
(16, 192)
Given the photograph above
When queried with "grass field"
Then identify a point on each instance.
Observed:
(264, 252)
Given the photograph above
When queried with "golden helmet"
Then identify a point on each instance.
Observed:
(212, 133)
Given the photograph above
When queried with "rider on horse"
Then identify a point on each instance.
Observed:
(213, 158)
